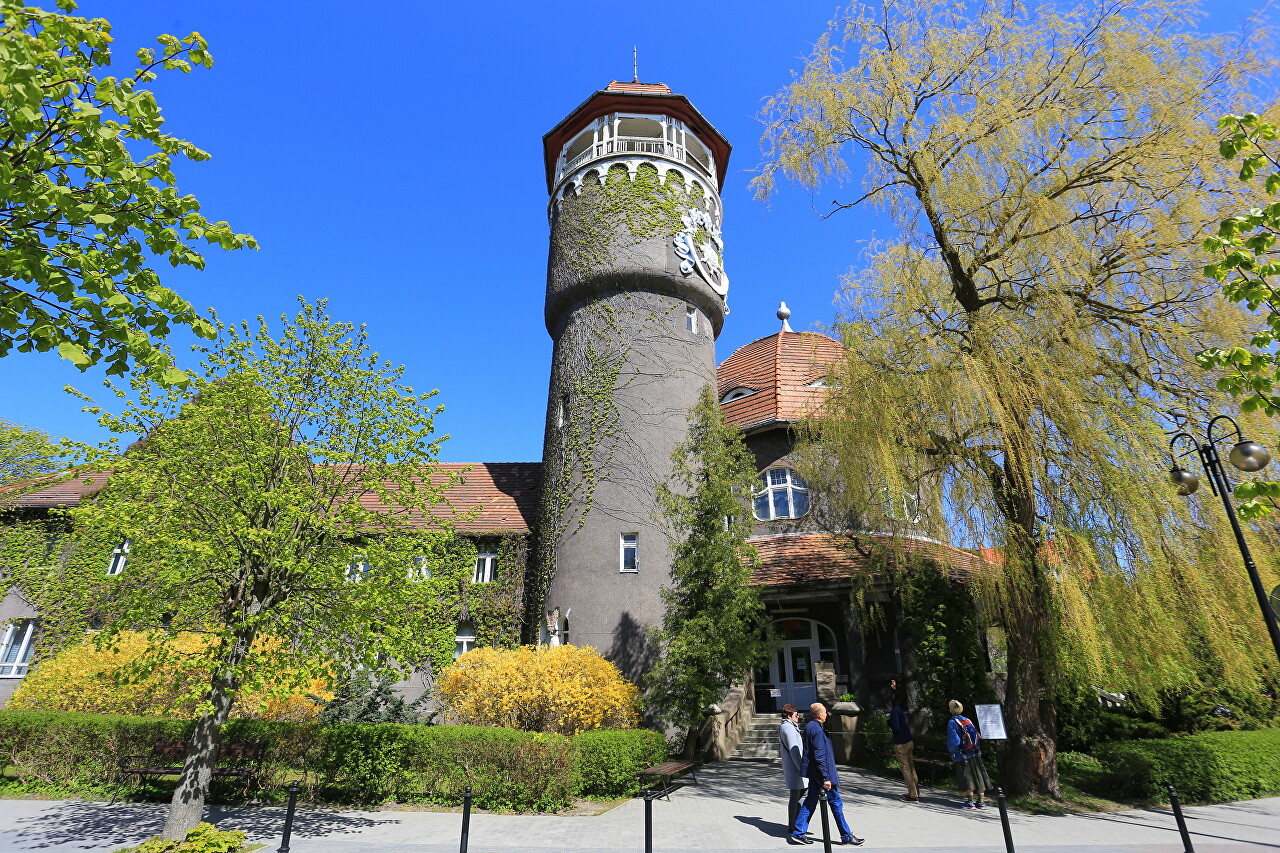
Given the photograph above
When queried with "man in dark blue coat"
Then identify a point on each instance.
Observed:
(820, 768)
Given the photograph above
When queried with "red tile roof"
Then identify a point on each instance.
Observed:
(808, 558)
(66, 490)
(779, 369)
(506, 492)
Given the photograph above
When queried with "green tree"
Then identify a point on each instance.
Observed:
(1015, 349)
(1247, 265)
(88, 197)
(25, 453)
(277, 513)
(713, 627)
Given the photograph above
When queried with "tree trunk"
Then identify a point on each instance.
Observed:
(1031, 763)
(187, 806)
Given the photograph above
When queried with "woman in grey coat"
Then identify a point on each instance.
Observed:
(791, 751)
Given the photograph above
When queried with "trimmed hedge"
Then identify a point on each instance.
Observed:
(609, 759)
(1211, 767)
(54, 752)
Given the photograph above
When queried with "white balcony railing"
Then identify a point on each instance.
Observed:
(635, 145)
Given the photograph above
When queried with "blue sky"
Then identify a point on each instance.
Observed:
(387, 156)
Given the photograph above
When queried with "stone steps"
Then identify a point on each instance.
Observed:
(761, 739)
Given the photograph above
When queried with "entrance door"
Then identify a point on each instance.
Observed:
(798, 683)
(792, 669)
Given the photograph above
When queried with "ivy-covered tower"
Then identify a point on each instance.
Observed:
(636, 294)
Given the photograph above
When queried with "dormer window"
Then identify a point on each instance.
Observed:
(737, 394)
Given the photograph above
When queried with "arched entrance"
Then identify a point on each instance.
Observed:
(800, 644)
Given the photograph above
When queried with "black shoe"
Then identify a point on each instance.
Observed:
(798, 839)
(852, 840)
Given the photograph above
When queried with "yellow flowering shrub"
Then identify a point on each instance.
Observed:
(562, 689)
(85, 678)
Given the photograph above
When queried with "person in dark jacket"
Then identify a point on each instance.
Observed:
(903, 745)
(820, 769)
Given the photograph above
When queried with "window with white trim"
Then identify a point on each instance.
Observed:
(782, 493)
(910, 508)
(486, 567)
(357, 570)
(629, 552)
(119, 558)
(737, 394)
(15, 654)
(465, 640)
(691, 319)
(421, 570)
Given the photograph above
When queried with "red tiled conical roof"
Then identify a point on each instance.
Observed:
(780, 369)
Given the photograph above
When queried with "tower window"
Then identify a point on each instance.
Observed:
(691, 319)
(486, 568)
(562, 416)
(15, 654)
(629, 551)
(782, 494)
(119, 558)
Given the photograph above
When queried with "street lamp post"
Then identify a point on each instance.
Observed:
(1248, 456)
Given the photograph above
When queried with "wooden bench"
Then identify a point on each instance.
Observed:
(234, 760)
(668, 771)
(932, 755)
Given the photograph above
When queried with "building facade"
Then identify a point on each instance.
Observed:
(636, 296)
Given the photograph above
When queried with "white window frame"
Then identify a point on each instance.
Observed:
(464, 639)
(119, 558)
(691, 319)
(629, 542)
(421, 570)
(737, 394)
(19, 639)
(911, 511)
(486, 568)
(357, 570)
(793, 484)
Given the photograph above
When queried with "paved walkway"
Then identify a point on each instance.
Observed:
(736, 807)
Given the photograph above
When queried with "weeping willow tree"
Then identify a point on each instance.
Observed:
(1019, 347)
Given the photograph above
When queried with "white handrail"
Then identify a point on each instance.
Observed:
(635, 145)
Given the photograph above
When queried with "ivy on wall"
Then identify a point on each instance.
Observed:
(941, 628)
(605, 217)
(46, 542)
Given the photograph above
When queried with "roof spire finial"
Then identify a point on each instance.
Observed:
(635, 65)
(784, 314)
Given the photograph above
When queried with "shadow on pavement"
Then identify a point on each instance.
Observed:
(768, 827)
(1166, 822)
(131, 823)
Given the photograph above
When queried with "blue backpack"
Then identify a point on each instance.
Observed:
(969, 736)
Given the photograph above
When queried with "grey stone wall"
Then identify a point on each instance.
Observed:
(625, 373)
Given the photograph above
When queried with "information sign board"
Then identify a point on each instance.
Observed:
(990, 722)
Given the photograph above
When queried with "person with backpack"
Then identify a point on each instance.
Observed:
(903, 744)
(966, 756)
